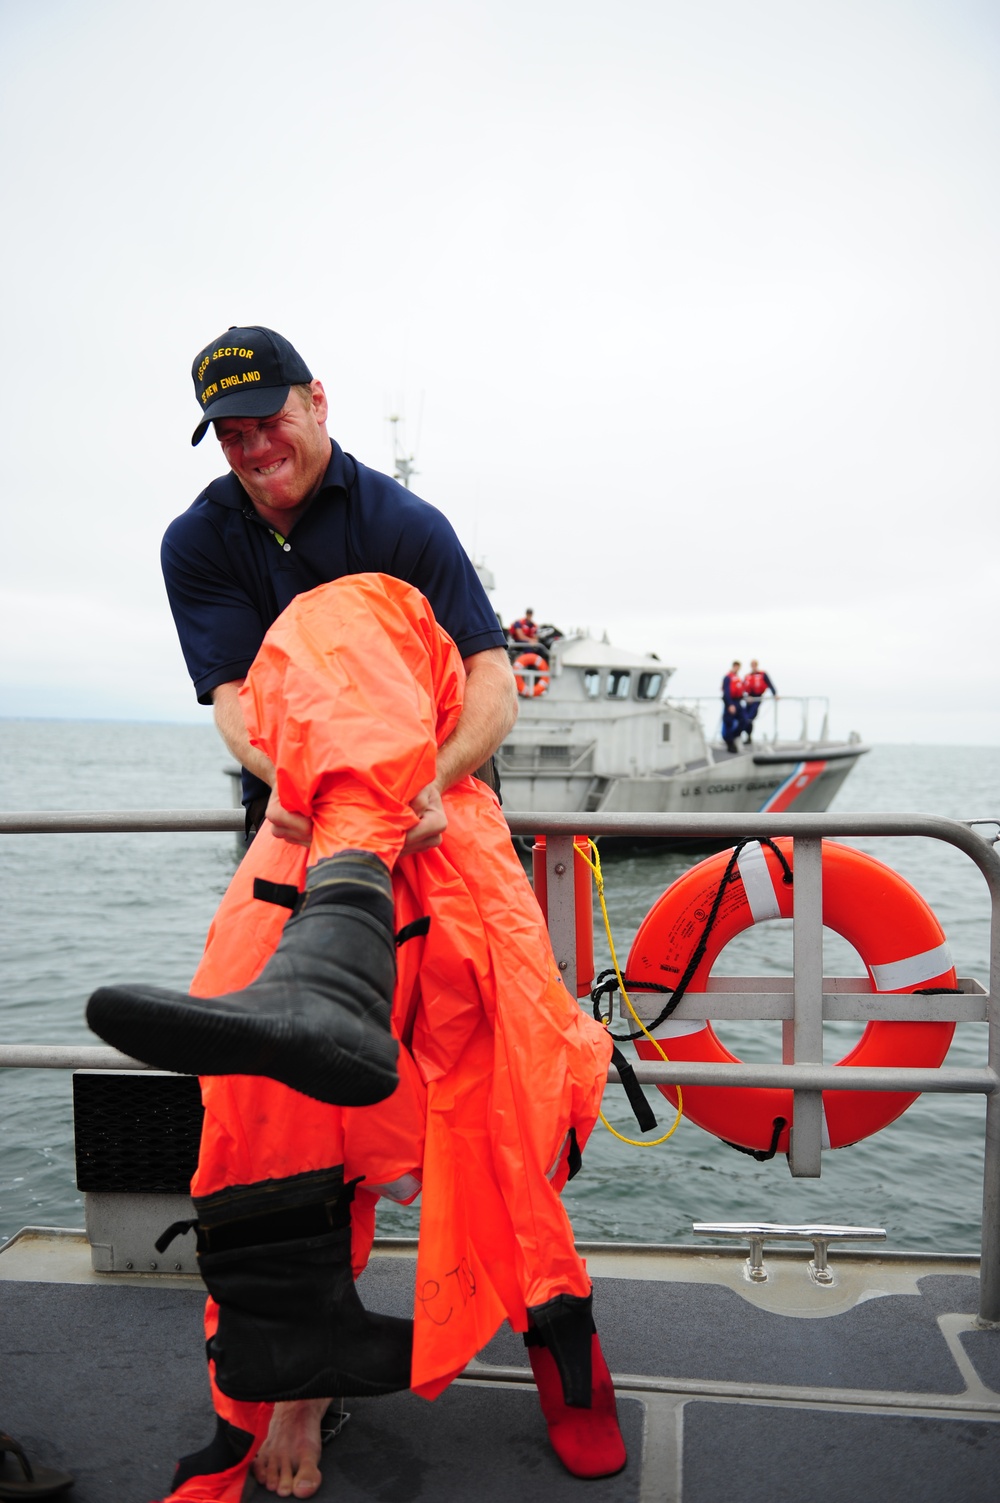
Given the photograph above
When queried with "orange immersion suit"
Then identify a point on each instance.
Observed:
(353, 690)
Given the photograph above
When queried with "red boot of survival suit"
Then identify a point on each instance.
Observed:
(316, 1018)
(574, 1386)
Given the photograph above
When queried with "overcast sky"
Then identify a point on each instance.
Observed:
(691, 310)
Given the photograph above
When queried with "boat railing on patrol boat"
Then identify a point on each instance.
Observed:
(785, 719)
(802, 1002)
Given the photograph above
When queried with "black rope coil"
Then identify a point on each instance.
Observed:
(762, 1155)
(606, 984)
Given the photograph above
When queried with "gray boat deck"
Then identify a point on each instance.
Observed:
(879, 1389)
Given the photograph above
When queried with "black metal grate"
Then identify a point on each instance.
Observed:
(136, 1132)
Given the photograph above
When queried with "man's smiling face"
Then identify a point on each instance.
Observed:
(280, 460)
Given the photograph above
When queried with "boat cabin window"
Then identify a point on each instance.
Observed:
(591, 682)
(650, 685)
(619, 680)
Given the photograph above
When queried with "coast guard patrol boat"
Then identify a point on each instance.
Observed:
(598, 733)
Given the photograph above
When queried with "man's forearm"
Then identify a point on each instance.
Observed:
(232, 728)
(488, 714)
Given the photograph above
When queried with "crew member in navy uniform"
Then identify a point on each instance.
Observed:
(296, 511)
(733, 708)
(755, 686)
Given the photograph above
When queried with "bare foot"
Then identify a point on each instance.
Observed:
(288, 1461)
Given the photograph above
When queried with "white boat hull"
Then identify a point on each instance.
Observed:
(735, 784)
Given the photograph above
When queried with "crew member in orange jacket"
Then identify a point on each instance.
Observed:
(755, 686)
(485, 1087)
(524, 628)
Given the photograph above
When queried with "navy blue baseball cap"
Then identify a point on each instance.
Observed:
(245, 373)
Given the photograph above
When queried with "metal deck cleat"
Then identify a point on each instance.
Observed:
(759, 1232)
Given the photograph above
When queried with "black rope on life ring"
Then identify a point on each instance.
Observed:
(604, 987)
(761, 1154)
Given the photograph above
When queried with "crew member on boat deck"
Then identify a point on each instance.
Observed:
(297, 511)
(755, 686)
(524, 628)
(733, 708)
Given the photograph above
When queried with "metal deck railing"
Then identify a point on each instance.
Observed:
(780, 717)
(802, 1002)
(809, 998)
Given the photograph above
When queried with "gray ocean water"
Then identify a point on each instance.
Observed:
(78, 911)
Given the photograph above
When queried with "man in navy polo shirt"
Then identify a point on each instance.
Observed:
(295, 512)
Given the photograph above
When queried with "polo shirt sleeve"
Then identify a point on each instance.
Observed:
(423, 548)
(219, 626)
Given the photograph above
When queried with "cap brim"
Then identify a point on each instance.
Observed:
(260, 403)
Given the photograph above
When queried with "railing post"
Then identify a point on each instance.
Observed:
(806, 1144)
(989, 1262)
(989, 1268)
(560, 877)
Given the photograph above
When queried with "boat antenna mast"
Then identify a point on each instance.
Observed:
(404, 465)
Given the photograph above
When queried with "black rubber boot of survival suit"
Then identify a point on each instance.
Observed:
(565, 1324)
(316, 1018)
(276, 1258)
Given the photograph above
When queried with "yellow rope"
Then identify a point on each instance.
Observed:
(595, 867)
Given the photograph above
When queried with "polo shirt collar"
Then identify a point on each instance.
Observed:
(339, 472)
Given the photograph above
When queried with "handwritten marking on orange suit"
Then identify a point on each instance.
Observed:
(433, 1290)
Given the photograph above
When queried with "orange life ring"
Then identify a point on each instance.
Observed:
(534, 663)
(886, 920)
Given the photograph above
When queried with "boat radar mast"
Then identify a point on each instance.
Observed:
(403, 464)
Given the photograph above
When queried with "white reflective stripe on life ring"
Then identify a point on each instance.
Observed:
(758, 884)
(912, 970)
(676, 1028)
